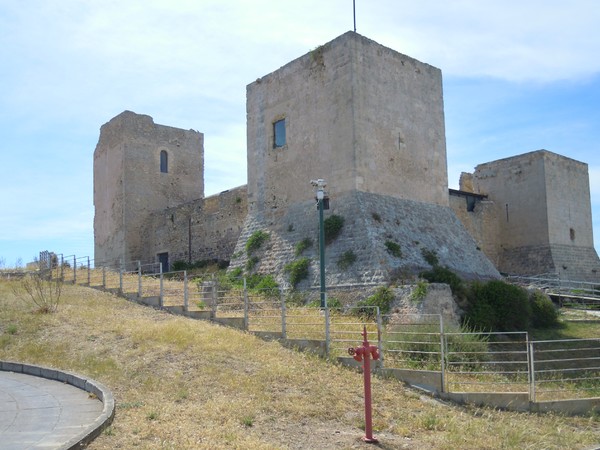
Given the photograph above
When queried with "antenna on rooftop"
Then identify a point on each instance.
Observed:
(354, 13)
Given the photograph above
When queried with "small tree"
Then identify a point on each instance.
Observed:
(40, 289)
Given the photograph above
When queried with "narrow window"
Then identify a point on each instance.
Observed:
(279, 134)
(164, 161)
(572, 234)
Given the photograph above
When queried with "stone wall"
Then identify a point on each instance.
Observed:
(204, 229)
(371, 221)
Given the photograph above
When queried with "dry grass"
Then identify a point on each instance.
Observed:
(184, 384)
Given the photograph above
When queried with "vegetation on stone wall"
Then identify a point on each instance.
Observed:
(439, 274)
(303, 245)
(346, 259)
(251, 263)
(420, 291)
(297, 270)
(255, 241)
(393, 248)
(430, 256)
(333, 227)
(383, 298)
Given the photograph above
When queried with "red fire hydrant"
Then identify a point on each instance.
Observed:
(364, 354)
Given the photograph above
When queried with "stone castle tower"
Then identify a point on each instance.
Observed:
(536, 215)
(370, 121)
(139, 168)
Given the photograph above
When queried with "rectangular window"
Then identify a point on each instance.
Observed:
(279, 134)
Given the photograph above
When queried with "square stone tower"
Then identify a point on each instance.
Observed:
(362, 116)
(370, 121)
(543, 215)
(140, 167)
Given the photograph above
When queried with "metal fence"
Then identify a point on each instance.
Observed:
(467, 361)
(572, 292)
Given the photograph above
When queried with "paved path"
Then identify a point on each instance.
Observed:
(36, 413)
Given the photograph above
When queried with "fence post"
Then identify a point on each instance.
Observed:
(379, 339)
(246, 318)
(74, 270)
(89, 275)
(121, 280)
(139, 264)
(213, 298)
(327, 329)
(442, 354)
(531, 372)
(161, 293)
(62, 267)
(185, 292)
(282, 302)
(103, 277)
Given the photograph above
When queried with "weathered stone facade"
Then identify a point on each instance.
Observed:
(129, 184)
(205, 229)
(370, 121)
(536, 215)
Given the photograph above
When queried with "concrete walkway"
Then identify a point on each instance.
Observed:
(37, 413)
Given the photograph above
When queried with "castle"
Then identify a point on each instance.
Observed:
(370, 121)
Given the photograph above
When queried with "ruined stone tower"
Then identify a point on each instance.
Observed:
(140, 167)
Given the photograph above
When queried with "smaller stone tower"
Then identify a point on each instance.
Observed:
(542, 216)
(140, 167)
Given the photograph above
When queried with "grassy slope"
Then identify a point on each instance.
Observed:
(185, 384)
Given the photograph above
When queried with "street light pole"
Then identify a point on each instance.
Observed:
(320, 185)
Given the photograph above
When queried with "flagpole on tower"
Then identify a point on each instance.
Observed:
(354, 13)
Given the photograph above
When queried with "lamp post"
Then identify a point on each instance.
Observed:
(320, 185)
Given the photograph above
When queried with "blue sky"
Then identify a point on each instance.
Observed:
(518, 76)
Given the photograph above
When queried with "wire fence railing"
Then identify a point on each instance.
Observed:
(570, 292)
(466, 361)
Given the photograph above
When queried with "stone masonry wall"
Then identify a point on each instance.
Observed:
(209, 227)
(371, 220)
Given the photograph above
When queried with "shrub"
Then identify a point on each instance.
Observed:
(420, 291)
(303, 245)
(296, 298)
(383, 298)
(376, 217)
(255, 241)
(444, 275)
(298, 270)
(263, 284)
(346, 259)
(251, 263)
(393, 248)
(543, 312)
(332, 302)
(235, 273)
(430, 256)
(333, 227)
(40, 289)
(498, 306)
